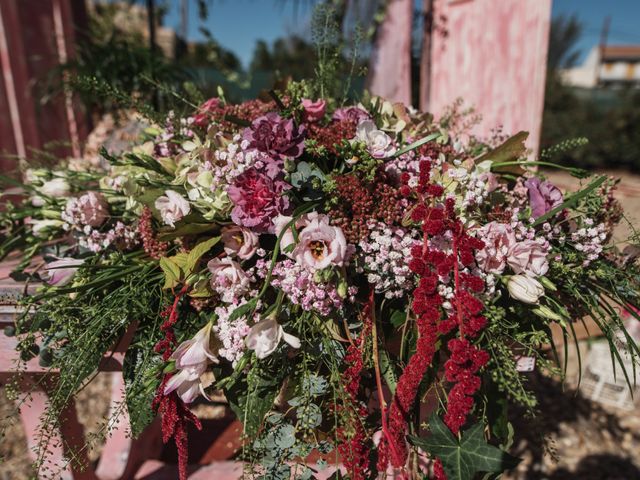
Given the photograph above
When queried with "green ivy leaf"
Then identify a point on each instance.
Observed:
(172, 272)
(462, 459)
(196, 253)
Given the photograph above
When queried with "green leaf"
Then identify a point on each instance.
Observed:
(512, 149)
(242, 310)
(571, 201)
(196, 253)
(416, 144)
(252, 397)
(388, 372)
(172, 272)
(398, 317)
(462, 459)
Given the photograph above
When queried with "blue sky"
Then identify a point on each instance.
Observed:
(237, 24)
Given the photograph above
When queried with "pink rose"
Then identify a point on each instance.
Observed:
(320, 245)
(379, 144)
(228, 279)
(498, 239)
(313, 111)
(239, 241)
(528, 257)
(172, 207)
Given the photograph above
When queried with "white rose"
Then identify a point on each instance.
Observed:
(264, 337)
(525, 289)
(378, 143)
(172, 207)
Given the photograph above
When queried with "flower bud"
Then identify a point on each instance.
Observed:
(545, 312)
(548, 284)
(525, 289)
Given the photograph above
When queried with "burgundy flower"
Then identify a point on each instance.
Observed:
(543, 196)
(257, 200)
(276, 136)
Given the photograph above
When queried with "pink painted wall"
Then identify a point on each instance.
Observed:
(494, 57)
(390, 72)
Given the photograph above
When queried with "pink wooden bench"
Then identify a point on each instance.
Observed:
(122, 458)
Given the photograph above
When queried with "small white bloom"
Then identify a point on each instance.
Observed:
(172, 207)
(379, 144)
(264, 337)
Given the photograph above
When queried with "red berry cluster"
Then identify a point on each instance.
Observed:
(352, 437)
(330, 136)
(359, 202)
(152, 246)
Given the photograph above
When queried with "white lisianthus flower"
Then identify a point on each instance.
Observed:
(61, 271)
(192, 358)
(56, 188)
(264, 337)
(525, 289)
(172, 207)
(41, 228)
(379, 144)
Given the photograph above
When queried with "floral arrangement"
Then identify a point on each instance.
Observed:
(362, 282)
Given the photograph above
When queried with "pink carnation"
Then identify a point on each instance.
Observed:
(276, 136)
(498, 239)
(257, 200)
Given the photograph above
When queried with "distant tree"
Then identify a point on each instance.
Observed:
(287, 57)
(564, 35)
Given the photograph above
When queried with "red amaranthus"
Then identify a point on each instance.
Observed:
(438, 219)
(353, 447)
(174, 413)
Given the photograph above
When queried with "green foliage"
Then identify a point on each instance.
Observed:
(607, 117)
(463, 458)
